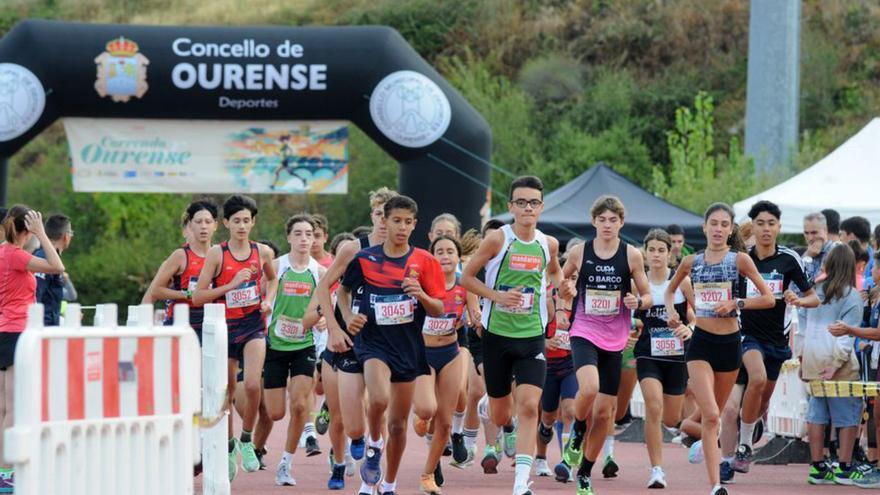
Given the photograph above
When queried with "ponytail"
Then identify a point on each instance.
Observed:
(735, 240)
(14, 224)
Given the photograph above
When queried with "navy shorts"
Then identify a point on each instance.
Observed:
(560, 384)
(400, 348)
(196, 319)
(439, 357)
(773, 356)
(348, 362)
(242, 331)
(475, 345)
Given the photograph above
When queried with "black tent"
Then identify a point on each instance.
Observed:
(567, 209)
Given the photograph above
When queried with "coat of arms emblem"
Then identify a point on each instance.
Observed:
(122, 71)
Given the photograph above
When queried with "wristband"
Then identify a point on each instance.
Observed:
(188, 294)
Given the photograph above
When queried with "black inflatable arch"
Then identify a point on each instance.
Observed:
(266, 73)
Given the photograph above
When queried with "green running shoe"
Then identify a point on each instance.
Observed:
(249, 460)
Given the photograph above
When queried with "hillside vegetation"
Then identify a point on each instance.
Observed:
(654, 88)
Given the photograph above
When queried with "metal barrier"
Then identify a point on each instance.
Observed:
(105, 410)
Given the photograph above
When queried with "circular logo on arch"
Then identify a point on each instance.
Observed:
(410, 109)
(22, 100)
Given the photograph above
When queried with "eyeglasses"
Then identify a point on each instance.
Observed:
(522, 203)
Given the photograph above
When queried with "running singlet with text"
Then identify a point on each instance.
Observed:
(295, 289)
(714, 284)
(599, 313)
(246, 298)
(520, 265)
(187, 280)
(453, 309)
(657, 340)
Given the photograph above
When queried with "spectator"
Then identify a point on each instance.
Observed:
(679, 250)
(832, 221)
(18, 288)
(50, 287)
(859, 229)
(826, 357)
(861, 257)
(818, 245)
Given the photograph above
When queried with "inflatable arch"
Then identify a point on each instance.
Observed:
(367, 75)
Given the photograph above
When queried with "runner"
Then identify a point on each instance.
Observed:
(287, 162)
(520, 261)
(607, 269)
(560, 386)
(18, 288)
(401, 285)
(290, 357)
(765, 334)
(348, 371)
(322, 230)
(476, 384)
(715, 351)
(439, 390)
(660, 352)
(178, 276)
(235, 269)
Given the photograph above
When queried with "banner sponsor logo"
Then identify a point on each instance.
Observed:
(121, 155)
(22, 100)
(410, 109)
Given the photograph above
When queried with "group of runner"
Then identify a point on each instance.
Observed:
(496, 329)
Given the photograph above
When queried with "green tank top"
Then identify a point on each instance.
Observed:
(286, 332)
(523, 265)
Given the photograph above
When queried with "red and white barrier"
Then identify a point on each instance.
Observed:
(105, 410)
(215, 454)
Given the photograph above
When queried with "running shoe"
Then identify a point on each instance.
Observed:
(610, 468)
(823, 476)
(563, 472)
(688, 441)
(658, 478)
(585, 486)
(468, 461)
(870, 480)
(483, 408)
(302, 440)
(459, 451)
(695, 454)
(509, 443)
(727, 473)
(490, 461)
(759, 431)
(438, 475)
(523, 489)
(428, 486)
(718, 490)
(233, 460)
(350, 465)
(388, 493)
(542, 468)
(357, 448)
(249, 461)
(621, 425)
(283, 476)
(447, 451)
(366, 489)
(371, 469)
(573, 452)
(322, 420)
(312, 447)
(545, 434)
(847, 477)
(337, 478)
(743, 460)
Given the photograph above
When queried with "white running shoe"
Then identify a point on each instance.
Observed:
(523, 489)
(695, 454)
(350, 465)
(542, 468)
(302, 440)
(283, 476)
(658, 478)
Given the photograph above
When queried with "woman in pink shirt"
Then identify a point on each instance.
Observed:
(18, 288)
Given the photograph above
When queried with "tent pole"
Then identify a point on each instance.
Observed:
(4, 179)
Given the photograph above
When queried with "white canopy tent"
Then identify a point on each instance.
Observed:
(845, 180)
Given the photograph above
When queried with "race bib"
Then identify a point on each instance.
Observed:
(562, 340)
(289, 329)
(193, 284)
(396, 309)
(528, 301)
(602, 302)
(243, 296)
(708, 295)
(664, 343)
(441, 326)
(774, 282)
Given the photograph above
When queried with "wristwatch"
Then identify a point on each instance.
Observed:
(639, 302)
(740, 304)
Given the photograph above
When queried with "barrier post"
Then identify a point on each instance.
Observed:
(73, 318)
(215, 441)
(106, 316)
